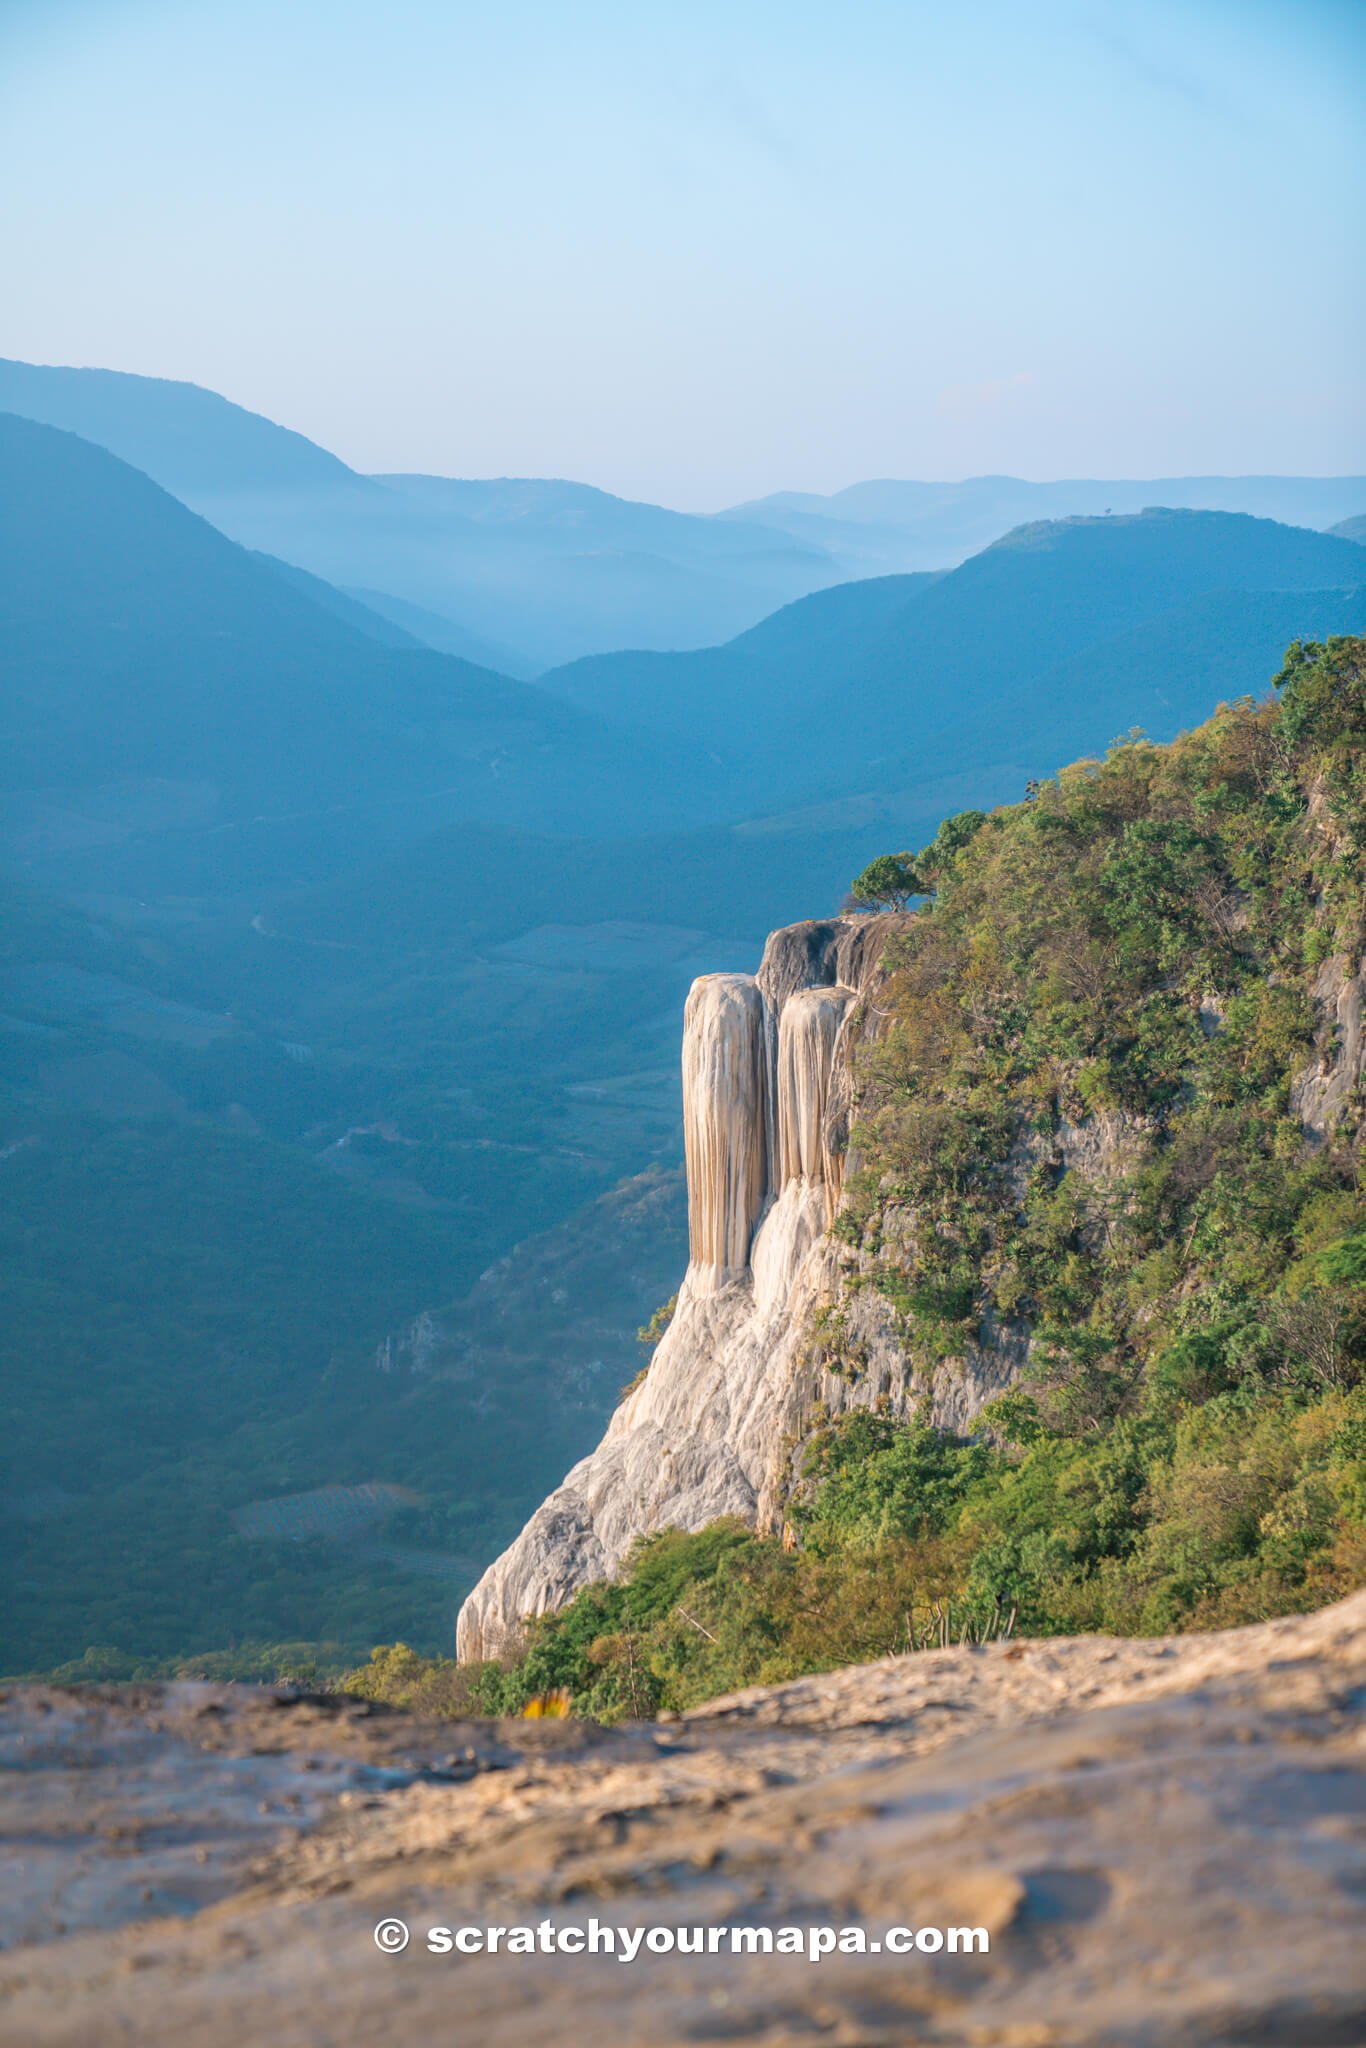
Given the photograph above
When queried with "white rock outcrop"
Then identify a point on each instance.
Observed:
(766, 1100)
(725, 1123)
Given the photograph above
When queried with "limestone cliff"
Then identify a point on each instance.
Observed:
(767, 1094)
(769, 1339)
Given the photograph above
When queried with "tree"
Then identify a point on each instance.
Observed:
(934, 860)
(889, 882)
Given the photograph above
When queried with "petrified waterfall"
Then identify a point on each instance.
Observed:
(756, 1085)
(808, 1030)
(766, 1097)
(725, 1122)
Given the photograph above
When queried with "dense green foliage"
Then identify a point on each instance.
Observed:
(888, 883)
(1079, 1125)
(893, 879)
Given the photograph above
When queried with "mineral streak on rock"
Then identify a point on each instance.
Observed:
(808, 1032)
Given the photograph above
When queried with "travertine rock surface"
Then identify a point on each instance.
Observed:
(766, 1095)
(725, 1122)
(1163, 1840)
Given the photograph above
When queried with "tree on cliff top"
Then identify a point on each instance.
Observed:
(888, 883)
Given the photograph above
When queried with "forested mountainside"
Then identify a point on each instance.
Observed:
(877, 684)
(1112, 1103)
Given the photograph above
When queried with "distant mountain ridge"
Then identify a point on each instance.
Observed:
(890, 524)
(574, 510)
(865, 711)
(543, 569)
(532, 573)
(189, 440)
(846, 687)
(137, 642)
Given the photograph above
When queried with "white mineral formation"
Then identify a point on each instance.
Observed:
(808, 1032)
(766, 1097)
(725, 1123)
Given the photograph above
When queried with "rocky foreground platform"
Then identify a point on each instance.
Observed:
(1165, 1839)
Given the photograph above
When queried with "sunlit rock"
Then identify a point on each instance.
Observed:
(766, 1099)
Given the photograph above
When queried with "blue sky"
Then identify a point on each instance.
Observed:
(699, 251)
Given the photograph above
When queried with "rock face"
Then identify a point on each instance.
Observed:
(725, 1117)
(738, 1380)
(767, 1094)
(1328, 1093)
(1160, 1840)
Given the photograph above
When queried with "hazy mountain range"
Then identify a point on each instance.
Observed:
(892, 525)
(138, 645)
(333, 965)
(1063, 633)
(524, 574)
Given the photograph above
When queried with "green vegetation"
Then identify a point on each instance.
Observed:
(888, 883)
(192, 1316)
(250, 1663)
(893, 879)
(1078, 1127)
(196, 1279)
(650, 1333)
